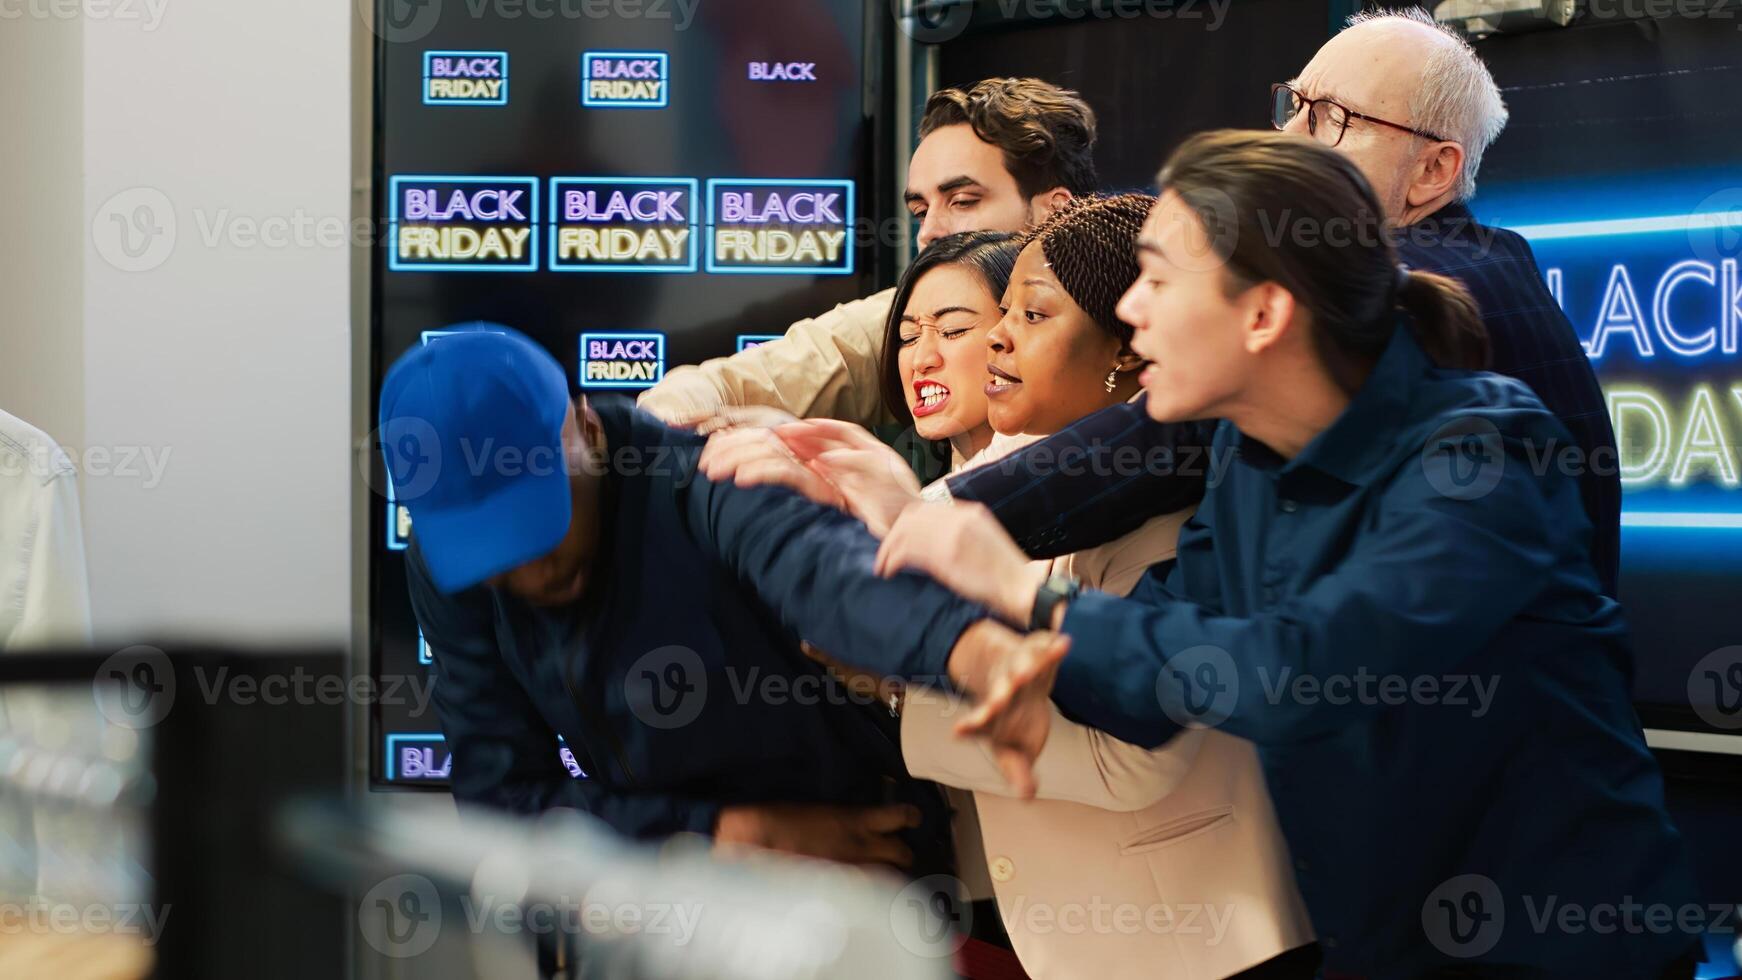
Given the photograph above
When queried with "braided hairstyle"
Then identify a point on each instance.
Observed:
(1091, 246)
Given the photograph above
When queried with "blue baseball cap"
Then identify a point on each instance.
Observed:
(471, 429)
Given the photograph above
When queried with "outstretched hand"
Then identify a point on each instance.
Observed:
(755, 457)
(1010, 677)
(837, 464)
(873, 478)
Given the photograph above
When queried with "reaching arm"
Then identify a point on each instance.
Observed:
(812, 566)
(504, 754)
(1404, 602)
(825, 366)
(1093, 481)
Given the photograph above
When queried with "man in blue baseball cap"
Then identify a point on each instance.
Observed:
(574, 575)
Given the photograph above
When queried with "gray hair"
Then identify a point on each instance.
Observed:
(1458, 99)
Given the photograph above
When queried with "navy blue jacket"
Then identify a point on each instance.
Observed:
(678, 679)
(1052, 514)
(1405, 620)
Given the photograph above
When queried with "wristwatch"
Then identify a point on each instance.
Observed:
(1056, 589)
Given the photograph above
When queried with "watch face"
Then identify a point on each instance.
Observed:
(1062, 586)
(1051, 593)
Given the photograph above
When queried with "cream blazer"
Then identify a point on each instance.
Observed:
(1131, 862)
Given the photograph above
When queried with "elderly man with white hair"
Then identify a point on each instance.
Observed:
(1400, 65)
(1414, 106)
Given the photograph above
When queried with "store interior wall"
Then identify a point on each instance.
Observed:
(175, 304)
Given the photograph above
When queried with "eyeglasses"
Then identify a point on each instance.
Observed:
(1327, 120)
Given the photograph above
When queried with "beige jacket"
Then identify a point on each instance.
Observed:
(824, 367)
(1131, 863)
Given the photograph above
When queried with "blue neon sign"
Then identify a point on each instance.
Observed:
(446, 223)
(780, 227)
(424, 757)
(625, 79)
(623, 224)
(465, 78)
(749, 340)
(621, 360)
(1657, 302)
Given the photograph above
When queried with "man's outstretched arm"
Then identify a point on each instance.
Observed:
(825, 366)
(813, 567)
(1093, 481)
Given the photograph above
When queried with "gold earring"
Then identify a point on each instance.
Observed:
(1112, 380)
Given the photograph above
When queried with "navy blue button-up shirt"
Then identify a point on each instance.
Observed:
(1405, 619)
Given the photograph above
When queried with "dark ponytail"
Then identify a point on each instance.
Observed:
(1278, 207)
(1444, 320)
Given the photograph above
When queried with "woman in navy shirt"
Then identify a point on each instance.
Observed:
(1380, 590)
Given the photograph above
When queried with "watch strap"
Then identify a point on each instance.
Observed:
(1056, 589)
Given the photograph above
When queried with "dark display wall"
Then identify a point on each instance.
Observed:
(633, 192)
(1152, 79)
(1623, 166)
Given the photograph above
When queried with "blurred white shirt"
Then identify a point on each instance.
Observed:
(45, 596)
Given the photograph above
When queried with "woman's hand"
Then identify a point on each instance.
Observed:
(1010, 677)
(752, 457)
(965, 548)
(876, 482)
(837, 464)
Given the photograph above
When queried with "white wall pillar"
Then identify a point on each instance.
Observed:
(216, 351)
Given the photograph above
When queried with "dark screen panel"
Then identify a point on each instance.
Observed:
(536, 163)
(1153, 80)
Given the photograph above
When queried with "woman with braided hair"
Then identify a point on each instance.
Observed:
(1187, 826)
(1130, 862)
(1059, 353)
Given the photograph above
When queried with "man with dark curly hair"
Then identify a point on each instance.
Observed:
(999, 156)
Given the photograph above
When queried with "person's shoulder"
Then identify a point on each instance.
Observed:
(26, 449)
(1470, 409)
(1458, 241)
(867, 314)
(878, 303)
(653, 466)
(1447, 394)
(862, 310)
(453, 620)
